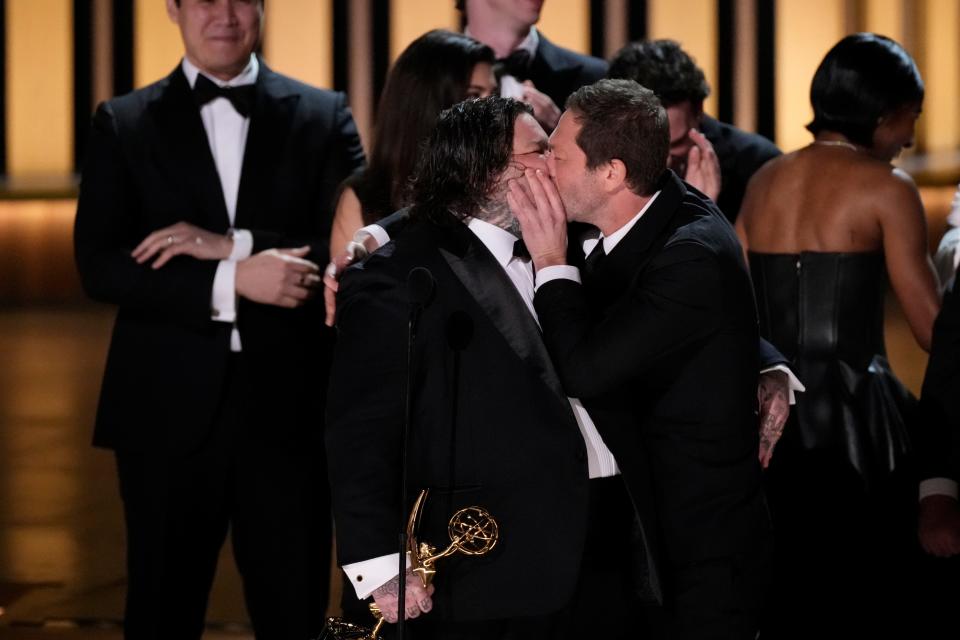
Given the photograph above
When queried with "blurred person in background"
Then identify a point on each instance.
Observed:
(437, 70)
(213, 392)
(823, 227)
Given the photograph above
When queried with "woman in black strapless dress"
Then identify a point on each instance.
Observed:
(824, 227)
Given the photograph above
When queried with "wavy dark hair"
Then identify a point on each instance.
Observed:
(664, 68)
(431, 74)
(622, 120)
(863, 78)
(469, 149)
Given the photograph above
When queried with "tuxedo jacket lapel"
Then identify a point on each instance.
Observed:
(488, 284)
(270, 123)
(183, 153)
(641, 243)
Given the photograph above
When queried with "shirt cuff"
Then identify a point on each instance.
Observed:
(368, 575)
(794, 386)
(242, 245)
(374, 231)
(938, 487)
(223, 305)
(556, 272)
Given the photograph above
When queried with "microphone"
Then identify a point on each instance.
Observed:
(420, 285)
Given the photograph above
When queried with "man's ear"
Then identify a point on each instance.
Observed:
(173, 11)
(615, 174)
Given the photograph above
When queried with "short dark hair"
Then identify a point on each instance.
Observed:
(862, 78)
(459, 165)
(622, 120)
(664, 68)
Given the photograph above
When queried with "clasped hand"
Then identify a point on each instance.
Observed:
(182, 239)
(417, 599)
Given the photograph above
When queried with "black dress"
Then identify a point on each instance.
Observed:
(839, 485)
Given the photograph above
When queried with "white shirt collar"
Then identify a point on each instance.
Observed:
(498, 241)
(245, 77)
(611, 241)
(528, 44)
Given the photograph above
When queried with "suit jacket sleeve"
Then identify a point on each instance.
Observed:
(938, 431)
(673, 307)
(344, 156)
(770, 356)
(106, 230)
(365, 410)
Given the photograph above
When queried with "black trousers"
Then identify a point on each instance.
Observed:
(271, 496)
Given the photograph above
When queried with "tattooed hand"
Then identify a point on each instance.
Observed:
(774, 400)
(417, 598)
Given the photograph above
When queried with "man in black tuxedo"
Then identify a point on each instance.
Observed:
(491, 424)
(204, 209)
(531, 68)
(669, 71)
(660, 342)
(938, 448)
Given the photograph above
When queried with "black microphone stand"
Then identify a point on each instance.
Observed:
(420, 283)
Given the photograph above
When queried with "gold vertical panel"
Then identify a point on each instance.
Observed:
(567, 23)
(805, 31)
(940, 66)
(360, 70)
(157, 46)
(102, 50)
(885, 17)
(39, 87)
(745, 65)
(409, 19)
(692, 23)
(298, 39)
(615, 31)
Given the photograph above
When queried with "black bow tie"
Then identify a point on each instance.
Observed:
(520, 250)
(517, 64)
(240, 97)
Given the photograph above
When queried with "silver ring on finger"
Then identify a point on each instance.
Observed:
(171, 240)
(198, 240)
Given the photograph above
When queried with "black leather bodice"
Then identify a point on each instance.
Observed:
(824, 311)
(822, 305)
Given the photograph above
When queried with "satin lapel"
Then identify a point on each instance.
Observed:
(183, 153)
(270, 123)
(488, 283)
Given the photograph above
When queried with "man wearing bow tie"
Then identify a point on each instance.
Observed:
(531, 68)
(204, 209)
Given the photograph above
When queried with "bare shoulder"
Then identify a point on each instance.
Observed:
(894, 190)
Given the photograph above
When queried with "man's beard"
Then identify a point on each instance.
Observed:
(496, 211)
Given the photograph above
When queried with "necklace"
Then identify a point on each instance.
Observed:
(836, 143)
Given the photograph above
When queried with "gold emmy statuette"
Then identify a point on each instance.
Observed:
(472, 531)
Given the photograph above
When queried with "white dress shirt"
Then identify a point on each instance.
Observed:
(367, 575)
(227, 135)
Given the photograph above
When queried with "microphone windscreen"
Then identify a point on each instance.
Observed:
(420, 284)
